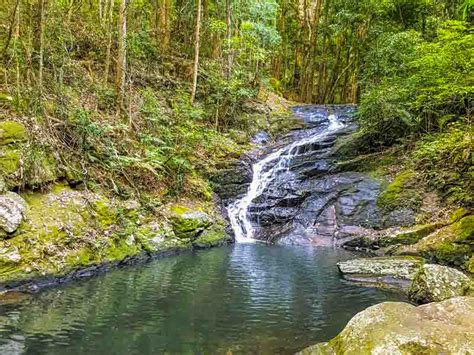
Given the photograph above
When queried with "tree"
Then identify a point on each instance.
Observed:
(197, 44)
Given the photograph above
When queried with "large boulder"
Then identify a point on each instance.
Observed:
(400, 328)
(382, 271)
(434, 283)
(12, 209)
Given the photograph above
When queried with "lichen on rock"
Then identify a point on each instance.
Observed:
(12, 209)
(400, 328)
(434, 283)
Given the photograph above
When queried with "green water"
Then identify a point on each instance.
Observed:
(246, 298)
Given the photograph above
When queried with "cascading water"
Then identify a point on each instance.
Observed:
(264, 172)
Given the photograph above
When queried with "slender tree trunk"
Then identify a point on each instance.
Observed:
(17, 52)
(121, 55)
(196, 50)
(41, 44)
(164, 30)
(110, 20)
(228, 8)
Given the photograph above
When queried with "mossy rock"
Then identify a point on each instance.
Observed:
(212, 237)
(435, 283)
(10, 161)
(401, 328)
(11, 132)
(402, 192)
(188, 223)
(410, 236)
(451, 245)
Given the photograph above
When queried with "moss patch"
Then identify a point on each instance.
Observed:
(402, 192)
(451, 245)
(11, 132)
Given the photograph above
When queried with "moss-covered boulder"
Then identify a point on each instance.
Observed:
(400, 328)
(12, 209)
(11, 132)
(187, 223)
(434, 283)
(382, 271)
(212, 237)
(451, 245)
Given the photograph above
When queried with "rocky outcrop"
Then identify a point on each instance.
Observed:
(12, 209)
(382, 271)
(434, 283)
(71, 234)
(400, 328)
(449, 242)
(422, 282)
(312, 201)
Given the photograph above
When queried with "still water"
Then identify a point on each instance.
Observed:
(246, 298)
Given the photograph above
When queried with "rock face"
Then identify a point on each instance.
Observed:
(434, 283)
(12, 209)
(382, 271)
(310, 201)
(400, 328)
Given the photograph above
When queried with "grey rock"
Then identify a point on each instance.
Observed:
(12, 209)
(434, 283)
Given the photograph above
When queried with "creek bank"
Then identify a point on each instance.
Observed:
(400, 328)
(68, 234)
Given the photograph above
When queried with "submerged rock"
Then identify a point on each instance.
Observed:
(434, 283)
(400, 328)
(12, 209)
(382, 271)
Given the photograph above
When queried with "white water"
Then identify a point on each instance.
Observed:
(264, 171)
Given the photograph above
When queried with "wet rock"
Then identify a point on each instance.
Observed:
(261, 138)
(434, 283)
(382, 271)
(400, 328)
(12, 209)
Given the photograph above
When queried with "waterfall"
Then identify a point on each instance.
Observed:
(265, 171)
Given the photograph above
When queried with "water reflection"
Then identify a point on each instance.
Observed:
(247, 298)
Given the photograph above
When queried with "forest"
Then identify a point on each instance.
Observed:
(303, 165)
(160, 87)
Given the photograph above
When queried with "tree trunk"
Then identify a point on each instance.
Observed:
(229, 37)
(121, 55)
(164, 29)
(41, 45)
(196, 50)
(110, 20)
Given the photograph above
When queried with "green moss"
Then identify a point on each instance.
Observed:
(214, 236)
(458, 214)
(11, 132)
(401, 192)
(10, 160)
(411, 236)
(40, 167)
(470, 266)
(451, 245)
(105, 213)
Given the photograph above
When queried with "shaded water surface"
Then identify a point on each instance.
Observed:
(246, 298)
